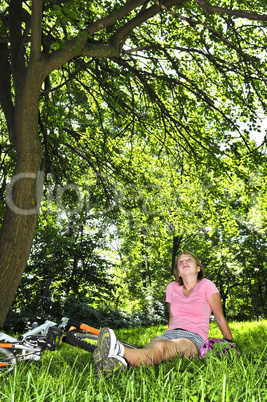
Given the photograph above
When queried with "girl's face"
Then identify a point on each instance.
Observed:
(187, 264)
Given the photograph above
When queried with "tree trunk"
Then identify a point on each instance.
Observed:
(20, 219)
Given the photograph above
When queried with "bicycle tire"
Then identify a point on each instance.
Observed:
(7, 360)
(77, 338)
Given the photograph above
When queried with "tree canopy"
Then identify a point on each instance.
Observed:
(136, 114)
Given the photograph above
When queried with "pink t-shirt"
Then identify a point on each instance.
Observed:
(193, 312)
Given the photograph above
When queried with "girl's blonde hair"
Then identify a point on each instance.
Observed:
(200, 274)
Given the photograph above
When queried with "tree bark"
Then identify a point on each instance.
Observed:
(28, 71)
(20, 220)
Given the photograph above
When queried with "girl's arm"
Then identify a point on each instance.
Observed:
(216, 306)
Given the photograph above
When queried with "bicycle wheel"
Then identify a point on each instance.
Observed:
(7, 360)
(87, 341)
(82, 340)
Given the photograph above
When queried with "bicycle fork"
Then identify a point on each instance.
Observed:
(27, 352)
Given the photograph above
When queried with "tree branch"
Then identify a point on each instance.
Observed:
(208, 8)
(180, 127)
(15, 20)
(115, 16)
(145, 14)
(79, 45)
(36, 29)
(5, 91)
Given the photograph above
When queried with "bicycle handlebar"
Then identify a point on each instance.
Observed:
(73, 323)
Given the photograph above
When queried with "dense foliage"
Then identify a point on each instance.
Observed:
(146, 113)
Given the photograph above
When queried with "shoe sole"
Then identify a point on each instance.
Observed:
(98, 359)
(106, 342)
(113, 365)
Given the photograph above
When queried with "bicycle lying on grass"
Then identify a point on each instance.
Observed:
(47, 336)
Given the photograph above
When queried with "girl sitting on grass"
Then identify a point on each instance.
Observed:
(191, 299)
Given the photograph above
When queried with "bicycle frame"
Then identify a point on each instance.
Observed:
(31, 344)
(26, 346)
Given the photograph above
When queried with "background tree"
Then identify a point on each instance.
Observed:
(177, 75)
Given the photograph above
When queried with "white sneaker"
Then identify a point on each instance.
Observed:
(108, 345)
(109, 365)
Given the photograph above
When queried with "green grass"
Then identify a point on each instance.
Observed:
(69, 374)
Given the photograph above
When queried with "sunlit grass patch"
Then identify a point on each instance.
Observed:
(69, 374)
